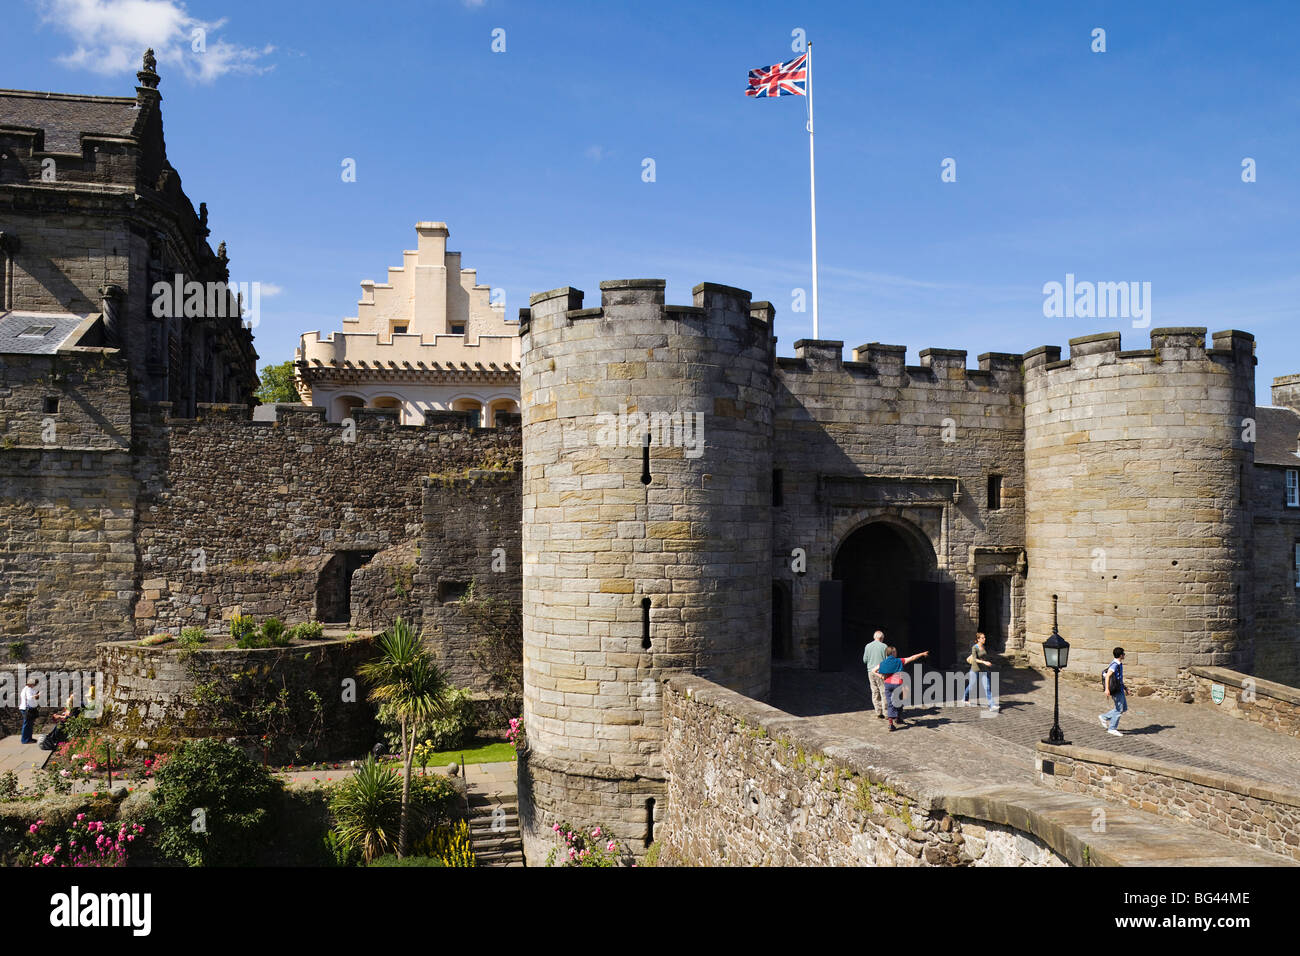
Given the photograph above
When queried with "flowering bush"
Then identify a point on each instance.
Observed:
(592, 847)
(516, 733)
(84, 843)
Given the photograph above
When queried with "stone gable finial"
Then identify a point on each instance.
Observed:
(203, 220)
(221, 253)
(148, 76)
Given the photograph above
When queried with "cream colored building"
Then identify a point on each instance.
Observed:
(427, 339)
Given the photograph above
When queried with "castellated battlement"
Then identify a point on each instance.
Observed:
(877, 364)
(625, 300)
(293, 416)
(1167, 345)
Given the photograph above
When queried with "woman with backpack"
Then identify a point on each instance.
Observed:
(1113, 683)
(891, 669)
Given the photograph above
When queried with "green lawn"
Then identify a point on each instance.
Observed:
(477, 752)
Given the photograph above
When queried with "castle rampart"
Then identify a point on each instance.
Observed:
(640, 559)
(1138, 512)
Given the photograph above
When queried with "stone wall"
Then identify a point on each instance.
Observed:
(384, 589)
(1277, 599)
(67, 505)
(150, 698)
(1138, 516)
(265, 505)
(750, 786)
(1248, 811)
(1264, 702)
(912, 447)
(468, 579)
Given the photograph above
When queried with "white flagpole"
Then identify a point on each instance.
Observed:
(812, 191)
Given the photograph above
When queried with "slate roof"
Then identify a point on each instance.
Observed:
(65, 117)
(54, 328)
(1275, 436)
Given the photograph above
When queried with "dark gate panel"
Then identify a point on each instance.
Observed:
(830, 626)
(933, 623)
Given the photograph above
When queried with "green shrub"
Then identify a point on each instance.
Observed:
(458, 727)
(234, 796)
(273, 632)
(389, 859)
(78, 728)
(243, 631)
(308, 631)
(451, 732)
(367, 808)
(192, 637)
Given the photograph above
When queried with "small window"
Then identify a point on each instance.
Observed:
(449, 591)
(1293, 487)
(399, 329)
(51, 405)
(458, 328)
(36, 331)
(995, 492)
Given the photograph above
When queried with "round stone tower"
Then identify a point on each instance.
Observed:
(1137, 507)
(647, 537)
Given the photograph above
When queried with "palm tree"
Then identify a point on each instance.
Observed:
(365, 808)
(406, 677)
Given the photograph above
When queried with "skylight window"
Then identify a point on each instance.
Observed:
(36, 331)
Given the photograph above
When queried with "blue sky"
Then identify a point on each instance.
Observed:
(1115, 166)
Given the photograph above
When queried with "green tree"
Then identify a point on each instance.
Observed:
(405, 677)
(277, 384)
(213, 805)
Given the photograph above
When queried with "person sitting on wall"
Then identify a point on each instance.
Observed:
(70, 709)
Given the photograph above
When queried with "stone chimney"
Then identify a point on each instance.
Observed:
(1286, 392)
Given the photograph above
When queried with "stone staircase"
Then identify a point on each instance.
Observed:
(494, 829)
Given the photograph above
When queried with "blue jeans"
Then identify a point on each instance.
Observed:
(984, 682)
(29, 723)
(894, 694)
(1112, 716)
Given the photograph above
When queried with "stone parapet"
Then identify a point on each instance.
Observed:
(1251, 812)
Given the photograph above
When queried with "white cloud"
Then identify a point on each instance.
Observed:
(474, 4)
(596, 153)
(110, 36)
(270, 290)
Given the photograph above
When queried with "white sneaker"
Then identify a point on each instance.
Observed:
(1104, 721)
(1115, 733)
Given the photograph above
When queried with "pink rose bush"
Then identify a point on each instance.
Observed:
(582, 847)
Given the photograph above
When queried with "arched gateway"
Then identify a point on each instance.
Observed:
(885, 573)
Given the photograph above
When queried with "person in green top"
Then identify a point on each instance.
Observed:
(876, 651)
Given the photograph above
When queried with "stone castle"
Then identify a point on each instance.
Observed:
(674, 498)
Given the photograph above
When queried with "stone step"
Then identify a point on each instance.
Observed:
(491, 821)
(513, 858)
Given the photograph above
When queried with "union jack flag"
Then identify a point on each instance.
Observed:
(783, 79)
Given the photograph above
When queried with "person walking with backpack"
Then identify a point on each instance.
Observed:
(980, 664)
(891, 670)
(1113, 683)
(875, 652)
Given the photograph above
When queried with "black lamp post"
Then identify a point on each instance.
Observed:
(1056, 652)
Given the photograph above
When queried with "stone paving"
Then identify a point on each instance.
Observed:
(968, 744)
